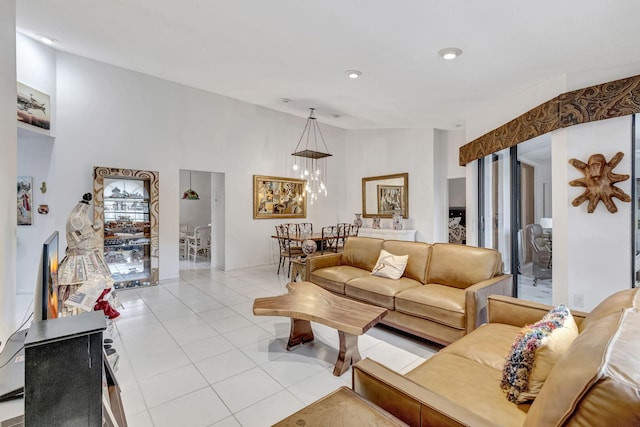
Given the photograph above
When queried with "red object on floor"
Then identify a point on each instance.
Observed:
(103, 305)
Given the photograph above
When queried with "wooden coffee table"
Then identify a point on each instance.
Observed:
(307, 302)
(342, 408)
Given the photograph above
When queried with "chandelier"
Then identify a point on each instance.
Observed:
(309, 160)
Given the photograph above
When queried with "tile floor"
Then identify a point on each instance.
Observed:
(193, 354)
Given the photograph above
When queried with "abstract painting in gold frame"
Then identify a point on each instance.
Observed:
(275, 197)
(390, 199)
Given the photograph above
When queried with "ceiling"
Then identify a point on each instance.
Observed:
(262, 51)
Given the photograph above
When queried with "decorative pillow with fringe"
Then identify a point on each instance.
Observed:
(536, 349)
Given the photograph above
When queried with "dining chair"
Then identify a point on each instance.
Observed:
(344, 231)
(182, 240)
(199, 243)
(541, 252)
(330, 238)
(293, 230)
(287, 250)
(305, 228)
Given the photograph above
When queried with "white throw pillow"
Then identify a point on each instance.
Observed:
(389, 265)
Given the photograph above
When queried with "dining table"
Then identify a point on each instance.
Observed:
(316, 237)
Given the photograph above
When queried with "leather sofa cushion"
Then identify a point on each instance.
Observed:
(470, 384)
(612, 304)
(361, 252)
(376, 290)
(418, 257)
(462, 266)
(443, 304)
(487, 345)
(334, 278)
(598, 377)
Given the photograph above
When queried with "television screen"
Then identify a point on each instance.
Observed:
(49, 291)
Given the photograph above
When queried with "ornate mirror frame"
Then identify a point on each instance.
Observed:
(99, 174)
(376, 188)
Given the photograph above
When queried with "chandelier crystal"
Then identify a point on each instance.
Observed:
(310, 162)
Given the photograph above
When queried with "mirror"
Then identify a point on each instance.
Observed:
(384, 195)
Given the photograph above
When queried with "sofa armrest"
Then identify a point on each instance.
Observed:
(322, 261)
(407, 400)
(517, 312)
(476, 298)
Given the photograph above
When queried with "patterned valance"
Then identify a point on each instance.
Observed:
(604, 101)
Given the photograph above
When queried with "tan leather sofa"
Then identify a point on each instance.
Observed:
(441, 296)
(596, 382)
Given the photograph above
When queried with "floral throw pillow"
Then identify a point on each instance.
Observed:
(534, 352)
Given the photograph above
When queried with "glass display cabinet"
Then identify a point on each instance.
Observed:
(126, 209)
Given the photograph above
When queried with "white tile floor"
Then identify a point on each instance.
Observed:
(193, 354)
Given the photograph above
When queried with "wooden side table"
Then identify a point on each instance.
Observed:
(298, 268)
(341, 408)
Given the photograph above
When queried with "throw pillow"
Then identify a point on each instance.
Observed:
(536, 349)
(389, 265)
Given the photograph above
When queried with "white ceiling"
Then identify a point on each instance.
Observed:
(260, 51)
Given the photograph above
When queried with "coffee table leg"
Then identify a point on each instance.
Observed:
(349, 353)
(301, 333)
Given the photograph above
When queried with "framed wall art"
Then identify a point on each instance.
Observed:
(390, 199)
(275, 197)
(34, 107)
(25, 200)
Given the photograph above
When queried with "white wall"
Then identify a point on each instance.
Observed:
(598, 245)
(218, 217)
(8, 168)
(34, 160)
(392, 151)
(112, 117)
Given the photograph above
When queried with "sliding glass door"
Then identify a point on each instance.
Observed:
(495, 208)
(515, 215)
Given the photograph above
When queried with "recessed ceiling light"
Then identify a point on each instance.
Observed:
(449, 53)
(353, 74)
(285, 100)
(336, 115)
(46, 39)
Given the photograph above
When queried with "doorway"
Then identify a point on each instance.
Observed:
(202, 212)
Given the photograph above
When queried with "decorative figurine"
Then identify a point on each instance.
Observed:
(599, 182)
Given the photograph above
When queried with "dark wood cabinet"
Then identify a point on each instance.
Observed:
(65, 373)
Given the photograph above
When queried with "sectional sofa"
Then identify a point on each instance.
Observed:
(595, 381)
(441, 295)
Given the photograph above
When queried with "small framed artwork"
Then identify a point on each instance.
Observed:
(25, 200)
(390, 199)
(457, 226)
(275, 197)
(34, 107)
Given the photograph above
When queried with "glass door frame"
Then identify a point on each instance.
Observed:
(514, 209)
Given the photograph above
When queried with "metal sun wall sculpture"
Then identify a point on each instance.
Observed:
(599, 182)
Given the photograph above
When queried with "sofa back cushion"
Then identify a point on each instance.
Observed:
(628, 298)
(597, 380)
(418, 257)
(361, 252)
(462, 266)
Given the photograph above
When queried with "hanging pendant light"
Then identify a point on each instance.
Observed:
(310, 162)
(190, 194)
